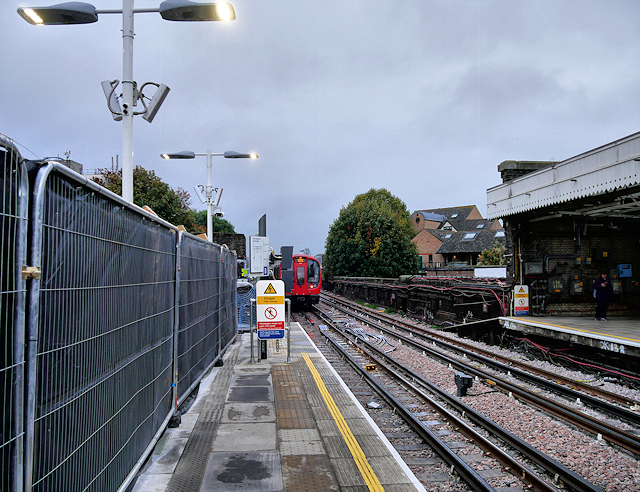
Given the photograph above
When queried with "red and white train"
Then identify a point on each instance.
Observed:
(302, 278)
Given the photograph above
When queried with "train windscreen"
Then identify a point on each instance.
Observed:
(313, 272)
(300, 274)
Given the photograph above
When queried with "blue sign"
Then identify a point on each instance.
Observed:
(270, 334)
(265, 271)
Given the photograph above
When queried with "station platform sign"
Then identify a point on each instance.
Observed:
(270, 309)
(521, 300)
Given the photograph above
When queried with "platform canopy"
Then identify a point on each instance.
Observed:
(601, 183)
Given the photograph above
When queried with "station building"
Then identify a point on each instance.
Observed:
(566, 222)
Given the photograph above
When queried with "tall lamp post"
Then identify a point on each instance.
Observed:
(208, 190)
(85, 13)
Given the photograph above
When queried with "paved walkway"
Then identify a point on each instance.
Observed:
(271, 426)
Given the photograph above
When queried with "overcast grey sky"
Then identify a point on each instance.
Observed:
(424, 98)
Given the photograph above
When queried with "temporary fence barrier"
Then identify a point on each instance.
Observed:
(125, 314)
(206, 286)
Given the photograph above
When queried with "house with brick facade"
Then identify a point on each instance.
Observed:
(454, 236)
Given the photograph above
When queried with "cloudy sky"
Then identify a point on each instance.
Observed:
(422, 97)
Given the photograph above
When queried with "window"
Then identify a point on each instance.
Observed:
(448, 236)
(300, 274)
(430, 259)
(469, 236)
(454, 216)
(313, 272)
(479, 226)
(499, 233)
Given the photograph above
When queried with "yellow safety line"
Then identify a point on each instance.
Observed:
(356, 451)
(609, 335)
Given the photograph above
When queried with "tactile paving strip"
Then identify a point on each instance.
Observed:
(309, 472)
(295, 423)
(292, 409)
(294, 413)
(300, 435)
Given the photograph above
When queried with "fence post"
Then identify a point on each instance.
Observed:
(31, 340)
(175, 418)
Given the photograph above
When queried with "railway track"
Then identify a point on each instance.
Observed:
(494, 359)
(423, 341)
(467, 443)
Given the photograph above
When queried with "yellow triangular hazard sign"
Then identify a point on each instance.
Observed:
(521, 288)
(270, 289)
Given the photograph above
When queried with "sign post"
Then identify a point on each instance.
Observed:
(270, 309)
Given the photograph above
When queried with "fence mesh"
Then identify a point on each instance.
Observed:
(199, 310)
(13, 231)
(103, 368)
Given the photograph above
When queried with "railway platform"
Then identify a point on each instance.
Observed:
(275, 426)
(620, 334)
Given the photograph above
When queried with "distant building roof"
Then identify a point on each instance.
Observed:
(468, 241)
(432, 216)
(471, 225)
(451, 213)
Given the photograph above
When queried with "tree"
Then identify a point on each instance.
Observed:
(371, 238)
(148, 189)
(492, 256)
(219, 225)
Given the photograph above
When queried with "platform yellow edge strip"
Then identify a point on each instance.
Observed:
(356, 451)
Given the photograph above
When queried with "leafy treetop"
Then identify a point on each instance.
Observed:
(371, 238)
(169, 204)
(492, 256)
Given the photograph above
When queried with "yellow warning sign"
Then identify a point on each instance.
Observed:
(270, 300)
(521, 288)
(270, 289)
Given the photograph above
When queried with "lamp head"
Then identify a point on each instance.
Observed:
(62, 13)
(230, 154)
(185, 154)
(185, 10)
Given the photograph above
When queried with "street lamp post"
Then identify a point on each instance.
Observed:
(85, 13)
(208, 189)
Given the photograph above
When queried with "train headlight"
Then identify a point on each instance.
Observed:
(311, 286)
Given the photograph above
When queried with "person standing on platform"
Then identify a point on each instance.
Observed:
(602, 291)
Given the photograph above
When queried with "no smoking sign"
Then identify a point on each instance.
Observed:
(270, 313)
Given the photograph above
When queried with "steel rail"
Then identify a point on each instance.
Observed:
(593, 425)
(474, 351)
(524, 473)
(470, 351)
(470, 476)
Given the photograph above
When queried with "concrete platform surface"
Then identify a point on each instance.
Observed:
(272, 426)
(620, 334)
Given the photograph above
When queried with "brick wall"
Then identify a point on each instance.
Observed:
(428, 244)
(554, 244)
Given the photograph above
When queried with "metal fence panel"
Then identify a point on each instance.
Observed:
(100, 331)
(229, 312)
(204, 330)
(13, 244)
(245, 292)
